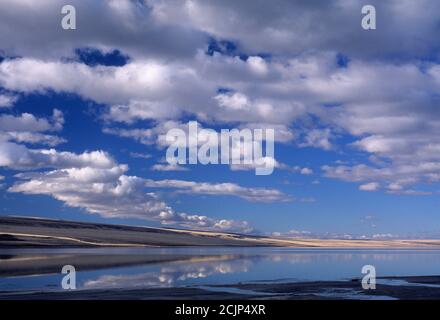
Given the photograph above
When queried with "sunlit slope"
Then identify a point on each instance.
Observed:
(38, 232)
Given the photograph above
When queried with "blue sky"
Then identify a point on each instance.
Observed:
(83, 114)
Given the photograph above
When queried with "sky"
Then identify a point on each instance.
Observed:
(84, 114)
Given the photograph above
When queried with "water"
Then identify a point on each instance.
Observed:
(40, 269)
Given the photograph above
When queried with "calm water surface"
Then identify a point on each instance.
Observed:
(200, 267)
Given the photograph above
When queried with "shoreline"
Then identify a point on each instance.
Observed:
(387, 288)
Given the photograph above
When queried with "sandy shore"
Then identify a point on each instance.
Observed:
(19, 232)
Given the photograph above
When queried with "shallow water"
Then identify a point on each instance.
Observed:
(201, 267)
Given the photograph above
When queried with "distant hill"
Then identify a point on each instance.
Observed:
(39, 232)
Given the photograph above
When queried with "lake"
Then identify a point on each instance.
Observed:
(39, 270)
